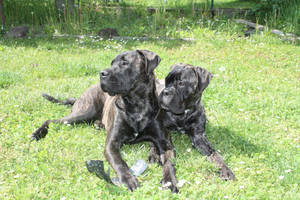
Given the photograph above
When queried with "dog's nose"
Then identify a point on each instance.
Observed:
(166, 92)
(104, 73)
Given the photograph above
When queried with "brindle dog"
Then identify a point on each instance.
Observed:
(181, 99)
(127, 104)
(134, 114)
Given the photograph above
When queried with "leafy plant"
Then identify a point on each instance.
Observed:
(279, 13)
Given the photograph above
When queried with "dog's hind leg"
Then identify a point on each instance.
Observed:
(69, 101)
(73, 118)
(154, 154)
(87, 108)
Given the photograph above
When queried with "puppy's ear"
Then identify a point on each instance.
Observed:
(176, 66)
(204, 78)
(151, 60)
(174, 71)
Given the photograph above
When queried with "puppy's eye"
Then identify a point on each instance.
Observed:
(181, 83)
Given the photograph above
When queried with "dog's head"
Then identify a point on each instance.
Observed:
(127, 69)
(183, 87)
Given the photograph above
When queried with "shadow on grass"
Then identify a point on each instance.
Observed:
(230, 142)
(222, 139)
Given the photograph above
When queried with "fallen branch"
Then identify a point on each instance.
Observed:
(250, 24)
(258, 27)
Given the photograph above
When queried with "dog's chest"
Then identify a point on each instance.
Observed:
(177, 122)
(139, 120)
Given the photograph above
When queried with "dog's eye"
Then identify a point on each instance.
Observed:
(181, 83)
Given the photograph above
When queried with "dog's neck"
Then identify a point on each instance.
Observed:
(143, 93)
(141, 104)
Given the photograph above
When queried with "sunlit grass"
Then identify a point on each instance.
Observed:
(252, 106)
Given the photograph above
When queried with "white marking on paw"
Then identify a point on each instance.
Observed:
(181, 183)
(167, 184)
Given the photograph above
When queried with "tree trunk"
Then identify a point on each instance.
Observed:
(2, 15)
(71, 6)
(65, 6)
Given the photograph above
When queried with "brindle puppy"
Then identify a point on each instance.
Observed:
(181, 99)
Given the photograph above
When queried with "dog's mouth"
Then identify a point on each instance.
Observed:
(107, 88)
(111, 93)
(167, 109)
(164, 107)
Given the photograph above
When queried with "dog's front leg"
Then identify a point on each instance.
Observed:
(201, 143)
(113, 156)
(169, 172)
(163, 145)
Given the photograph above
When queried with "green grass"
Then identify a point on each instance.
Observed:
(8, 78)
(252, 105)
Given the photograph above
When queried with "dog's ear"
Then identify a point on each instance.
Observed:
(151, 60)
(204, 78)
(174, 71)
(176, 66)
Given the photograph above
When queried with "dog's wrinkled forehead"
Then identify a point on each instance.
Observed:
(189, 75)
(129, 56)
(181, 72)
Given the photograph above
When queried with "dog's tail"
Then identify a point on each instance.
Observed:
(69, 101)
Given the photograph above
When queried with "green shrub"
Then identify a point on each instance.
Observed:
(283, 14)
(28, 11)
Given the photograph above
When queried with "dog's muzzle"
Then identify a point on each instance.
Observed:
(104, 74)
(104, 81)
(165, 98)
(169, 100)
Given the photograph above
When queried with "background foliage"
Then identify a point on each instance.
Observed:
(92, 14)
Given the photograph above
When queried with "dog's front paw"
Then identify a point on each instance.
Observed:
(226, 173)
(130, 181)
(169, 177)
(169, 184)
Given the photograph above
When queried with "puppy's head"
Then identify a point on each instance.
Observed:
(127, 69)
(183, 87)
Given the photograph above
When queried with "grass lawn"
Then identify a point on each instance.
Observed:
(252, 103)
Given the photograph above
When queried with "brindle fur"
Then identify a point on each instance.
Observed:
(137, 116)
(127, 105)
(181, 98)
